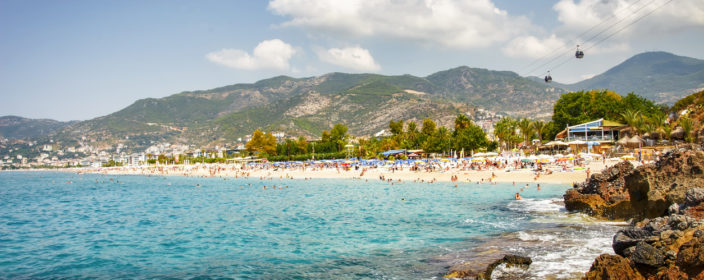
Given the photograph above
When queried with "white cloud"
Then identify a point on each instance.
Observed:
(269, 54)
(620, 17)
(455, 24)
(533, 47)
(355, 58)
(607, 26)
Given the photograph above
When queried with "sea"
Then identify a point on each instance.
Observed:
(65, 225)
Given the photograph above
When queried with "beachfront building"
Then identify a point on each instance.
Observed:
(601, 130)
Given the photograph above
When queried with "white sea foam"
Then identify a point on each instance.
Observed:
(567, 251)
(542, 206)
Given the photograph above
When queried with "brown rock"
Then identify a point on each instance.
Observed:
(695, 211)
(691, 256)
(621, 192)
(612, 267)
(671, 273)
(468, 270)
(587, 203)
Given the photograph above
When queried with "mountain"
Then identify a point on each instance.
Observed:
(366, 102)
(14, 127)
(307, 106)
(660, 76)
(497, 90)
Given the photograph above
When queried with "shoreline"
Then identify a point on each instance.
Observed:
(452, 175)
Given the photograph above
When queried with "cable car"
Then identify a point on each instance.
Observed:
(548, 78)
(578, 54)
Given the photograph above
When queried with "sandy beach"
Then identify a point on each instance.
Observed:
(456, 175)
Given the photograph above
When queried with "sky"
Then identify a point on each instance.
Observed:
(82, 59)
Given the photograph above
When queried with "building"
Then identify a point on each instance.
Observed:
(600, 130)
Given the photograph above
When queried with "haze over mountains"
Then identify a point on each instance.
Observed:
(364, 102)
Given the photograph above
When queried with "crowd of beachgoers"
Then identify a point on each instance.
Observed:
(491, 168)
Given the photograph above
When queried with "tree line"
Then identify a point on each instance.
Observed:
(640, 115)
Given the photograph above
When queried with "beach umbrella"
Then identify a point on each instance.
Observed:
(678, 133)
(623, 141)
(576, 142)
(636, 141)
(480, 154)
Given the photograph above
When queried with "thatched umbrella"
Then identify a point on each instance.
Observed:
(635, 141)
(623, 141)
(677, 134)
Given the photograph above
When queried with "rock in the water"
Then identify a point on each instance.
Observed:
(612, 267)
(509, 261)
(466, 271)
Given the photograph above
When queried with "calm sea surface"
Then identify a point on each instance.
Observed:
(64, 225)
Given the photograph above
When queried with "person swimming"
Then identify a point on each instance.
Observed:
(518, 196)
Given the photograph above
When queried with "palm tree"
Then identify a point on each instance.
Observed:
(687, 126)
(462, 122)
(658, 121)
(539, 127)
(633, 119)
(526, 127)
(667, 131)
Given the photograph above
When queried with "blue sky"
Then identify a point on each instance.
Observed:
(76, 60)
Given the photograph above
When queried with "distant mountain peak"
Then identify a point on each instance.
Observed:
(660, 76)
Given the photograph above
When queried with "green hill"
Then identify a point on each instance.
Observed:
(660, 76)
(366, 102)
(14, 127)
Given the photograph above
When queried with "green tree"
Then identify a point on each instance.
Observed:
(412, 134)
(633, 119)
(339, 136)
(439, 142)
(641, 104)
(255, 144)
(462, 122)
(469, 138)
(583, 106)
(429, 127)
(526, 127)
(302, 144)
(262, 143)
(505, 131)
(688, 126)
(269, 144)
(396, 127)
(539, 128)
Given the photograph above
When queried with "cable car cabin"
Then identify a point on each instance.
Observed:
(578, 53)
(548, 78)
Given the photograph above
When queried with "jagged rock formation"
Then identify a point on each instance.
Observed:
(665, 201)
(622, 192)
(469, 271)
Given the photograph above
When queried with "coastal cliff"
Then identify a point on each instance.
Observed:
(665, 202)
(623, 192)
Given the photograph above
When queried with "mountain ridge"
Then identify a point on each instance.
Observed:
(661, 76)
(365, 102)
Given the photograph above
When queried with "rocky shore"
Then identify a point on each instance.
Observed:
(665, 203)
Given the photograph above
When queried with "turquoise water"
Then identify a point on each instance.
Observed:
(98, 226)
